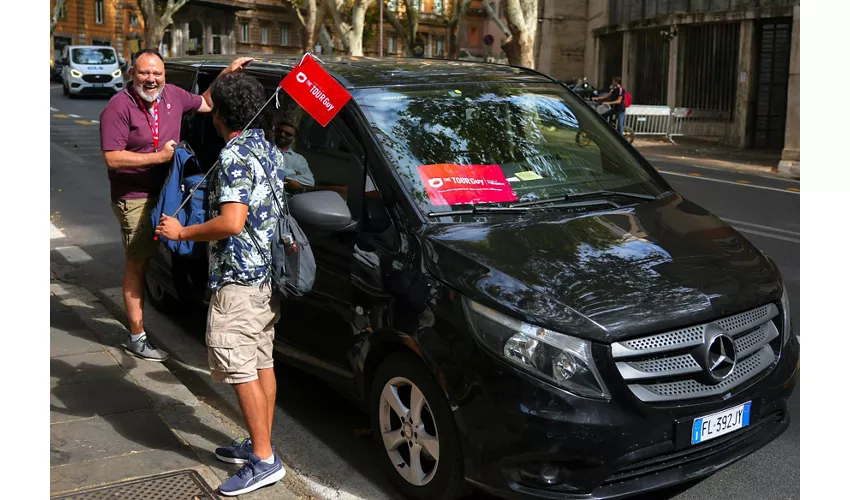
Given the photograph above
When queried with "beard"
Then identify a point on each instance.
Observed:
(145, 92)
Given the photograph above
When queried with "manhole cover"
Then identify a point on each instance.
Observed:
(181, 485)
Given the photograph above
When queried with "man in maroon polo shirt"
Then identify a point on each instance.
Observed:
(138, 130)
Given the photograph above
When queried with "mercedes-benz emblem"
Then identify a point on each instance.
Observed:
(720, 357)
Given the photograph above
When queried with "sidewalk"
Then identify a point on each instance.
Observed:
(689, 151)
(126, 428)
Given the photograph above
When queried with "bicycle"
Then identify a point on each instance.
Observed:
(583, 139)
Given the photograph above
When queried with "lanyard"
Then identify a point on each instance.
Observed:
(153, 124)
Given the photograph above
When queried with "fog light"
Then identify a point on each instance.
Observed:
(550, 475)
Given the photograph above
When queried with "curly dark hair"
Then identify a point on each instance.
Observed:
(237, 97)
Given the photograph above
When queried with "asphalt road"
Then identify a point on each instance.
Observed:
(765, 209)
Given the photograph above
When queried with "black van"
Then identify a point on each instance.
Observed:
(516, 309)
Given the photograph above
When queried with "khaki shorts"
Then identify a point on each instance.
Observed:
(240, 332)
(134, 216)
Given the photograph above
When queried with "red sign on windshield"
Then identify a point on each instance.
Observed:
(448, 184)
(315, 90)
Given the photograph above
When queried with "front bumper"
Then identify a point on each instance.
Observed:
(79, 86)
(516, 427)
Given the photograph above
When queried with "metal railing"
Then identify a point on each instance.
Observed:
(664, 121)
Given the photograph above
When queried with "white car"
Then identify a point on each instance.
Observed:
(91, 70)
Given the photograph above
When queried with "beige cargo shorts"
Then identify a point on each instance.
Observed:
(240, 332)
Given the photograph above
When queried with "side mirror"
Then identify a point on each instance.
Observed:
(322, 210)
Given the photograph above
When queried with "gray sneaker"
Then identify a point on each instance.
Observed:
(144, 348)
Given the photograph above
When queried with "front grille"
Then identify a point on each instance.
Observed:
(672, 459)
(97, 78)
(663, 367)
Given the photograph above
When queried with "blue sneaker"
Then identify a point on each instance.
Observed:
(237, 453)
(253, 475)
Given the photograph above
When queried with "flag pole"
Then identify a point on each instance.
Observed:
(381, 28)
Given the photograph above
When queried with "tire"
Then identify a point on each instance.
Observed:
(159, 297)
(629, 134)
(440, 479)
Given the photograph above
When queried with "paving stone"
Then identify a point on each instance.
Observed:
(63, 343)
(88, 367)
(112, 436)
(101, 396)
(74, 476)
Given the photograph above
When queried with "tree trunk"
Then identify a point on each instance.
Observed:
(393, 19)
(156, 23)
(351, 35)
(55, 19)
(358, 20)
(309, 34)
(522, 23)
(455, 25)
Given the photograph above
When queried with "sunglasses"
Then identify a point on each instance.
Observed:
(287, 134)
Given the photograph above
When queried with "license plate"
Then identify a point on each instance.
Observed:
(97, 85)
(720, 423)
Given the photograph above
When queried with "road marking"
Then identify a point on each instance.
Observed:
(759, 226)
(54, 110)
(767, 235)
(74, 116)
(55, 232)
(695, 175)
(83, 122)
(781, 190)
(743, 182)
(74, 254)
(60, 116)
(767, 231)
(95, 121)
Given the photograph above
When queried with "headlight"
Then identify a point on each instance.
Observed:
(557, 358)
(75, 73)
(786, 316)
(116, 73)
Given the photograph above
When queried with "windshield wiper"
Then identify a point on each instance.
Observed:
(589, 194)
(475, 210)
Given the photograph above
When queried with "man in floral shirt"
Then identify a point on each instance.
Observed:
(243, 311)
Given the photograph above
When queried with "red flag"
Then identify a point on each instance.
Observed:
(315, 90)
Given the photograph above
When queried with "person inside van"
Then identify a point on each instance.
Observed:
(297, 174)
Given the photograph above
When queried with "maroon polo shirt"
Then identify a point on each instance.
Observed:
(125, 126)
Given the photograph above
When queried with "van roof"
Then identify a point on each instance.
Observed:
(91, 47)
(357, 72)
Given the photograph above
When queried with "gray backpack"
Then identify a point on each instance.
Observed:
(293, 267)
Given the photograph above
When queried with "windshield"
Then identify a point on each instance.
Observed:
(93, 56)
(497, 144)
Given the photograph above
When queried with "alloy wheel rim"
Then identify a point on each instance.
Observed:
(409, 431)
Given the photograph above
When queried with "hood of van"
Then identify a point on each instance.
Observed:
(606, 275)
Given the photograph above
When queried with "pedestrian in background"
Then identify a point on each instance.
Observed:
(614, 98)
(138, 130)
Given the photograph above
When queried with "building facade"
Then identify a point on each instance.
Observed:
(734, 63)
(98, 22)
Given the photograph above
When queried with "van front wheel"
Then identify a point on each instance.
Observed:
(414, 430)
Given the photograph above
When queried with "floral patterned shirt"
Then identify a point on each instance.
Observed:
(242, 179)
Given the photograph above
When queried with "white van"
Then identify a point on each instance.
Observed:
(91, 69)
